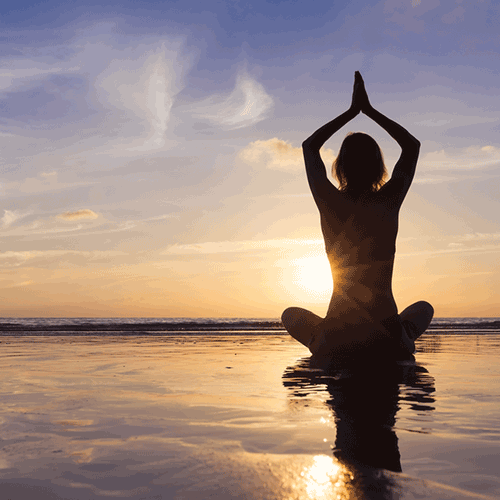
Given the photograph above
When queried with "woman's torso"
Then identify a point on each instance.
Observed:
(360, 242)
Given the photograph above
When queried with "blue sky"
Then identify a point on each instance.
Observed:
(151, 160)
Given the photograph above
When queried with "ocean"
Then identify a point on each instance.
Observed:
(191, 409)
(200, 326)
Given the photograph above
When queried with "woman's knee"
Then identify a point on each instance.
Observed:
(420, 314)
(426, 309)
(290, 316)
(299, 317)
(420, 308)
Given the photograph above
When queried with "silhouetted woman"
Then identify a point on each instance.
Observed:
(359, 221)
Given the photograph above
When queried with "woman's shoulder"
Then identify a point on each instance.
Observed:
(393, 192)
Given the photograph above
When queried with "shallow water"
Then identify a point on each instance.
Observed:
(245, 417)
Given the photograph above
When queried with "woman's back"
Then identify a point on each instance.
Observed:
(361, 231)
(360, 242)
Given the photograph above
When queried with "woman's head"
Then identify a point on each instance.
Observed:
(359, 166)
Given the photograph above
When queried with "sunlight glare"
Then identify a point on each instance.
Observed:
(321, 476)
(312, 275)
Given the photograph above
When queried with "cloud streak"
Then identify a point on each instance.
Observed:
(453, 250)
(19, 258)
(144, 80)
(215, 247)
(278, 154)
(84, 213)
(470, 158)
(9, 217)
(247, 104)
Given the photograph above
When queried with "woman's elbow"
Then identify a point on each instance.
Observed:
(412, 146)
(309, 145)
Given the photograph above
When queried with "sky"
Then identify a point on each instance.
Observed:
(151, 162)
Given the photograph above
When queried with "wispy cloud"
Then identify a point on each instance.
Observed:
(246, 105)
(119, 93)
(470, 243)
(214, 247)
(461, 249)
(454, 244)
(19, 258)
(21, 284)
(469, 158)
(84, 213)
(479, 237)
(144, 80)
(10, 216)
(83, 222)
(20, 71)
(438, 119)
(278, 154)
(43, 182)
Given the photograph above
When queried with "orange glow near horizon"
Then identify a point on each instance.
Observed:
(237, 284)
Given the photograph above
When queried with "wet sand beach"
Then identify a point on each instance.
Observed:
(245, 416)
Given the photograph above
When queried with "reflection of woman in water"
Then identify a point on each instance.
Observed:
(364, 409)
(360, 223)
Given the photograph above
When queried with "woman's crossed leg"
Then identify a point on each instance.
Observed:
(300, 323)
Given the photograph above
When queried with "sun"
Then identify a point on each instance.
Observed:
(311, 278)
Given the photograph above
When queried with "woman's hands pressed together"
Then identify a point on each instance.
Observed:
(360, 101)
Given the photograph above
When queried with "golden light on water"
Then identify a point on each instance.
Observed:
(324, 479)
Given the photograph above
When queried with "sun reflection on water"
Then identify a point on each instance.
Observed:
(325, 478)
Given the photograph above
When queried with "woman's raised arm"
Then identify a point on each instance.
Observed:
(405, 167)
(322, 189)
